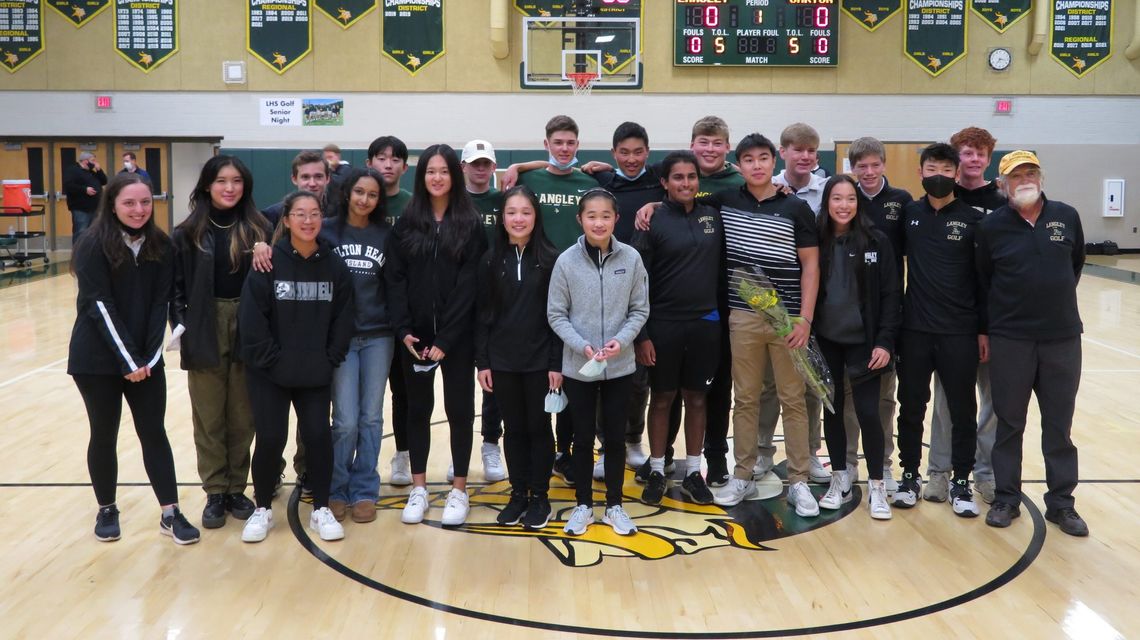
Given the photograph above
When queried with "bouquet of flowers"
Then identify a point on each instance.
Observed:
(760, 294)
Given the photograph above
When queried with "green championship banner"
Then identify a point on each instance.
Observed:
(1001, 14)
(21, 32)
(345, 12)
(278, 32)
(79, 12)
(413, 32)
(1081, 37)
(871, 14)
(146, 32)
(935, 33)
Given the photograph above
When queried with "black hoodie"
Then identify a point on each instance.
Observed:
(512, 333)
(296, 321)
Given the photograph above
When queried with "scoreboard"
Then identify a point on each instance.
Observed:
(785, 33)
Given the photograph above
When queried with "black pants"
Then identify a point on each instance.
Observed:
(865, 397)
(718, 405)
(492, 419)
(399, 398)
(458, 403)
(584, 398)
(1052, 371)
(270, 404)
(103, 396)
(955, 358)
(528, 442)
(564, 430)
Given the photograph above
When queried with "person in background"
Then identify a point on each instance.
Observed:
(338, 169)
(125, 267)
(131, 165)
(309, 172)
(82, 184)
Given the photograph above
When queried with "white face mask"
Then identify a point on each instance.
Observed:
(128, 165)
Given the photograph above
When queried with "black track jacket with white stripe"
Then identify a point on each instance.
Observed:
(121, 312)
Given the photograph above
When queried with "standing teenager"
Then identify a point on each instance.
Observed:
(599, 301)
(518, 355)
(214, 248)
(857, 316)
(125, 268)
(296, 322)
(361, 238)
(432, 257)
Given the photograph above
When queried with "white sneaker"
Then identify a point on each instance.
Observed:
(617, 518)
(877, 498)
(600, 468)
(401, 475)
(580, 518)
(416, 506)
(258, 525)
(817, 473)
(839, 492)
(324, 523)
(801, 498)
(493, 470)
(763, 465)
(735, 492)
(456, 508)
(962, 499)
(634, 455)
(890, 482)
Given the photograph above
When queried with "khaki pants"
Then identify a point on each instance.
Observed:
(887, 405)
(754, 346)
(223, 422)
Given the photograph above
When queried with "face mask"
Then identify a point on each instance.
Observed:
(128, 166)
(938, 186)
(561, 167)
(625, 177)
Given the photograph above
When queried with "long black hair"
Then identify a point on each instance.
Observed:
(460, 221)
(542, 253)
(250, 226)
(106, 232)
(860, 233)
(356, 174)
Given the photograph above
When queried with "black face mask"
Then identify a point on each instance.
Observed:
(938, 186)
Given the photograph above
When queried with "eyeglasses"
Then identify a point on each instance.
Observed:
(305, 217)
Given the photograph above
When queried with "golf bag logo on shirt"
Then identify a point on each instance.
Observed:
(674, 527)
(303, 291)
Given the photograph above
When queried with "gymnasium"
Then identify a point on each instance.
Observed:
(173, 83)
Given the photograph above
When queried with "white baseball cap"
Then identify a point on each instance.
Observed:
(477, 149)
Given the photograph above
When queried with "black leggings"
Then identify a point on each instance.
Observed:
(528, 441)
(865, 397)
(103, 396)
(583, 398)
(399, 399)
(458, 403)
(270, 404)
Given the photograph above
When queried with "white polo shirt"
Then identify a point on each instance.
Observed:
(811, 194)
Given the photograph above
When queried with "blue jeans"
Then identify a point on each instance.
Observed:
(358, 410)
(80, 220)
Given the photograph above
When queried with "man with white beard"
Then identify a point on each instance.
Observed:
(1029, 256)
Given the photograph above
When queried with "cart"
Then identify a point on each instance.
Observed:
(16, 242)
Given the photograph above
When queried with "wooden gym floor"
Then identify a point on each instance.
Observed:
(692, 572)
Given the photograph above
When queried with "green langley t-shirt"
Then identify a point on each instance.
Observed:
(727, 178)
(397, 204)
(489, 204)
(559, 197)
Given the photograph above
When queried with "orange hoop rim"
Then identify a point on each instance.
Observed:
(581, 82)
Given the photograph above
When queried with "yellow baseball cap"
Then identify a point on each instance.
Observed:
(1015, 159)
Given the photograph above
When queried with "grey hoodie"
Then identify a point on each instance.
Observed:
(590, 304)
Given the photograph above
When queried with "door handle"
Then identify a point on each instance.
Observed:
(161, 197)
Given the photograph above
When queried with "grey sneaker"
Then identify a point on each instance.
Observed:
(581, 518)
(985, 488)
(617, 518)
(937, 487)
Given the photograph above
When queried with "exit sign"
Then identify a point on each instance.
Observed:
(103, 103)
(1003, 107)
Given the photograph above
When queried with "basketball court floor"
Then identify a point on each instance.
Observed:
(692, 572)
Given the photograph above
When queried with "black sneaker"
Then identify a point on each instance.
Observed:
(718, 471)
(642, 473)
(513, 512)
(214, 515)
(239, 506)
(906, 496)
(654, 489)
(107, 524)
(537, 512)
(564, 467)
(1069, 521)
(962, 498)
(1001, 514)
(695, 488)
(178, 527)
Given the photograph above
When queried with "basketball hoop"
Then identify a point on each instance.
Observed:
(581, 83)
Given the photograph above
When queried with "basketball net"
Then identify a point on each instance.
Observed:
(581, 83)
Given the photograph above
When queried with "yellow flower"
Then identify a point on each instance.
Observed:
(754, 301)
(766, 299)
